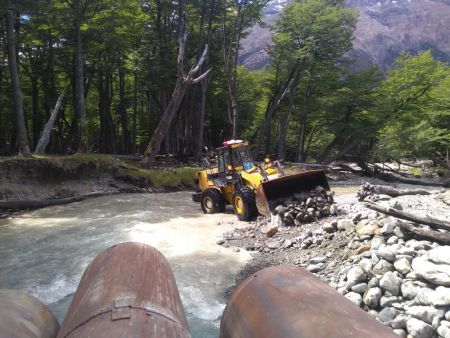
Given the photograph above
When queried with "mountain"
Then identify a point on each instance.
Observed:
(384, 29)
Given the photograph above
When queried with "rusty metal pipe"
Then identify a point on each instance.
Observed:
(24, 316)
(128, 290)
(289, 302)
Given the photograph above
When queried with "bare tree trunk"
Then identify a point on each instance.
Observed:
(22, 139)
(201, 119)
(233, 92)
(45, 136)
(284, 124)
(123, 113)
(135, 112)
(37, 122)
(181, 86)
(272, 106)
(80, 108)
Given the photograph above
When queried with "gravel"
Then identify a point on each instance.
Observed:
(404, 282)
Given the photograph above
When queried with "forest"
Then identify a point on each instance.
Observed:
(155, 77)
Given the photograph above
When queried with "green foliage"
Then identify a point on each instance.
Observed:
(130, 64)
(414, 108)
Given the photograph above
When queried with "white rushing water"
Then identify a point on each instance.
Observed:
(44, 252)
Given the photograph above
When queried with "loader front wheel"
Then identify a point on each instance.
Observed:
(244, 204)
(212, 201)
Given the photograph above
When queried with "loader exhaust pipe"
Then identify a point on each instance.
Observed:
(128, 290)
(286, 302)
(287, 186)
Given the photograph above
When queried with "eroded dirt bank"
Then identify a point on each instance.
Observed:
(50, 178)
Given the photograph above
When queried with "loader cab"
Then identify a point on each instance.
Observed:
(234, 157)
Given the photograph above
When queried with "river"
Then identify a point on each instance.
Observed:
(44, 252)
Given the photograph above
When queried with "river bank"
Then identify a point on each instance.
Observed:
(362, 253)
(28, 183)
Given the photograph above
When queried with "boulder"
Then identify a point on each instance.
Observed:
(424, 313)
(390, 283)
(366, 265)
(410, 289)
(372, 297)
(382, 267)
(360, 288)
(314, 267)
(418, 328)
(400, 321)
(365, 227)
(355, 275)
(386, 253)
(387, 315)
(354, 297)
(272, 244)
(438, 274)
(439, 255)
(444, 331)
(438, 297)
(403, 266)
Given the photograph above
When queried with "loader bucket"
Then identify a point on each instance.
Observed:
(287, 186)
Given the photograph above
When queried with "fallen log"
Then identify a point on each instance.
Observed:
(412, 181)
(428, 220)
(37, 204)
(386, 190)
(433, 235)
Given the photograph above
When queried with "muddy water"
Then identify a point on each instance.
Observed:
(45, 252)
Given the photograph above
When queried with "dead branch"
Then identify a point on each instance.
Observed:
(428, 220)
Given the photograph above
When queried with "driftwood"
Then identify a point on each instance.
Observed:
(433, 235)
(386, 190)
(412, 181)
(368, 189)
(428, 220)
(36, 204)
(376, 171)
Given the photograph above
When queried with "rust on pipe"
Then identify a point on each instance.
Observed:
(290, 302)
(24, 316)
(128, 290)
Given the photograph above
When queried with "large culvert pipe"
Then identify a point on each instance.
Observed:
(289, 302)
(128, 290)
(23, 316)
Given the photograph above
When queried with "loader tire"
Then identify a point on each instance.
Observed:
(244, 204)
(212, 201)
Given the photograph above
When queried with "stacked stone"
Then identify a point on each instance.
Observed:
(366, 192)
(404, 283)
(305, 207)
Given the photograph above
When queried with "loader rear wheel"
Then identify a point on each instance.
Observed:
(212, 201)
(244, 204)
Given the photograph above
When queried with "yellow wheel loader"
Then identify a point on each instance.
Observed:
(248, 186)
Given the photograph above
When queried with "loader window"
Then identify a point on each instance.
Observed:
(224, 161)
(246, 159)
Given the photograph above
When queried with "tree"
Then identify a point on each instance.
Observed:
(184, 80)
(238, 17)
(413, 108)
(311, 37)
(11, 16)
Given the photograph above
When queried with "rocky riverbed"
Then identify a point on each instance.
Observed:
(404, 282)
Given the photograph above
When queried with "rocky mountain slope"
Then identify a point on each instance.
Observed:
(384, 29)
